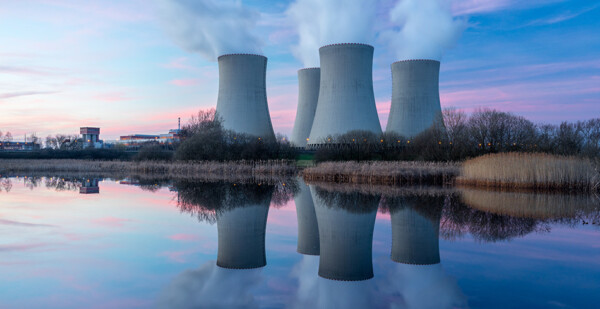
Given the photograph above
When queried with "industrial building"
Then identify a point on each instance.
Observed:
(138, 139)
(19, 146)
(346, 98)
(309, 80)
(91, 137)
(415, 97)
(242, 100)
(346, 223)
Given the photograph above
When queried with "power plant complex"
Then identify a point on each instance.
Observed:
(338, 98)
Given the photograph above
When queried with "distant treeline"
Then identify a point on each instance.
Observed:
(85, 154)
(456, 136)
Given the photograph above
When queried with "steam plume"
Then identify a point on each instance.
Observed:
(426, 29)
(211, 27)
(323, 22)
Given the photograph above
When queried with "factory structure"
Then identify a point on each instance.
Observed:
(346, 102)
(309, 81)
(415, 96)
(242, 100)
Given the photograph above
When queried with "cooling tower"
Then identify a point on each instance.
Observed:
(415, 238)
(308, 229)
(242, 101)
(308, 95)
(346, 100)
(346, 226)
(415, 96)
(242, 236)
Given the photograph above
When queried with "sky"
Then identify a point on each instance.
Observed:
(66, 64)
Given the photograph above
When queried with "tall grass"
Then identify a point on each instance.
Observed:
(386, 173)
(531, 171)
(175, 170)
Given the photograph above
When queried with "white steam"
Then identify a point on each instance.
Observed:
(211, 27)
(426, 29)
(323, 22)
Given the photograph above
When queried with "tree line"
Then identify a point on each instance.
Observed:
(457, 136)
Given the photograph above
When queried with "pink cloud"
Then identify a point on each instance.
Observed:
(185, 82)
(113, 97)
(184, 237)
(111, 221)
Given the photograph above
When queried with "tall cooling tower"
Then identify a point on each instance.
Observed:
(308, 229)
(415, 238)
(308, 94)
(346, 99)
(241, 243)
(415, 96)
(346, 225)
(242, 101)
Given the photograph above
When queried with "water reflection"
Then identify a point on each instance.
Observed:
(308, 229)
(240, 211)
(346, 222)
(211, 286)
(334, 265)
(415, 228)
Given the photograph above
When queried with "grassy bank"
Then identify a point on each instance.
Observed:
(175, 170)
(383, 173)
(541, 172)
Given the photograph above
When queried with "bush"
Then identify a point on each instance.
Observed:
(207, 140)
(153, 153)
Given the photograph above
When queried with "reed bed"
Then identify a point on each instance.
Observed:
(204, 170)
(383, 173)
(540, 172)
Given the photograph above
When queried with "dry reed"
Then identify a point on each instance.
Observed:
(383, 173)
(541, 172)
(175, 170)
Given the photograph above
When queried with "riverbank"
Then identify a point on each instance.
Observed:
(394, 173)
(203, 170)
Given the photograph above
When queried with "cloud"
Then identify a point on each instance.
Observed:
(24, 93)
(424, 29)
(323, 22)
(185, 82)
(24, 224)
(111, 221)
(211, 28)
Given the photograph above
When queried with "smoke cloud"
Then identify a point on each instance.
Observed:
(423, 29)
(211, 27)
(323, 22)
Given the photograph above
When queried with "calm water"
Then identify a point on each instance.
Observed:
(93, 243)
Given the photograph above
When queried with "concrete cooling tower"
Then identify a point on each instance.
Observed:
(346, 236)
(415, 96)
(308, 229)
(308, 95)
(242, 236)
(415, 238)
(346, 99)
(242, 101)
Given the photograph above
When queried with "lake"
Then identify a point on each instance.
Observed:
(90, 242)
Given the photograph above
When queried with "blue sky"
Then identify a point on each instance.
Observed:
(66, 64)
